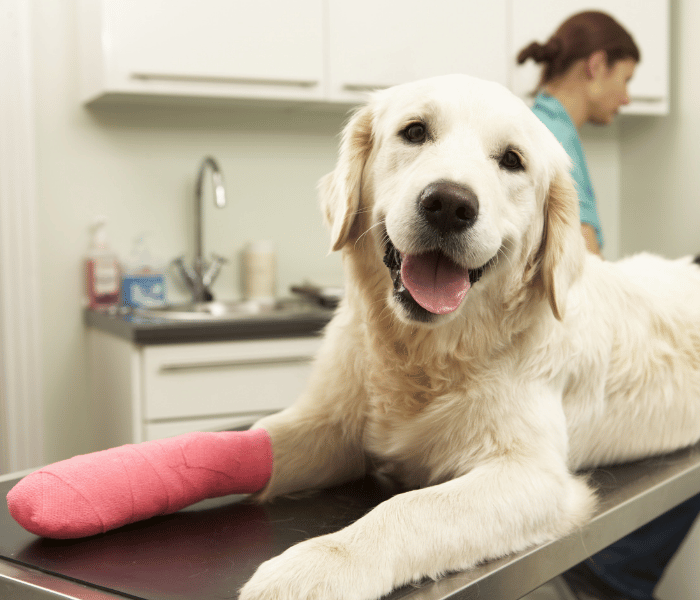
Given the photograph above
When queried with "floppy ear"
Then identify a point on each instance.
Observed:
(562, 251)
(340, 189)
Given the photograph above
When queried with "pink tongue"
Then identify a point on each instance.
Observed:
(435, 282)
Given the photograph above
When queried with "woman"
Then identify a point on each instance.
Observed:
(587, 64)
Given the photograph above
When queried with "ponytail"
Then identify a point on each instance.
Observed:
(578, 37)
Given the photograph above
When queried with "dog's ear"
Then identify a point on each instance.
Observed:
(563, 251)
(340, 190)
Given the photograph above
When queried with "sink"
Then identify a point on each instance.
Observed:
(228, 311)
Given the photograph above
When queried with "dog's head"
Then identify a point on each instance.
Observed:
(455, 185)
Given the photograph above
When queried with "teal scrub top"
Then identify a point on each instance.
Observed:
(551, 112)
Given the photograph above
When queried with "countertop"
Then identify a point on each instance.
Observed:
(308, 321)
(209, 550)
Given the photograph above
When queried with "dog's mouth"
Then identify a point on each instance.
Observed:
(431, 281)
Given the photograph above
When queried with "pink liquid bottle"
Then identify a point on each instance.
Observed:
(102, 270)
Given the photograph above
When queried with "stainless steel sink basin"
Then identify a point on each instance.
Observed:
(228, 311)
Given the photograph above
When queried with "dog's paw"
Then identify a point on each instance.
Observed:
(322, 568)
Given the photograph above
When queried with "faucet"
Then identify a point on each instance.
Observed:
(200, 277)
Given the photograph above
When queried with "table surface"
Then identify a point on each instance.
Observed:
(209, 550)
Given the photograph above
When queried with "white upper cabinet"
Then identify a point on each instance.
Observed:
(231, 48)
(646, 20)
(378, 43)
(333, 51)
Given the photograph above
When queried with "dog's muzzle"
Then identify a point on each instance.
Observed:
(431, 283)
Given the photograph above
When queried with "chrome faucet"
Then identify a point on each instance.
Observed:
(202, 275)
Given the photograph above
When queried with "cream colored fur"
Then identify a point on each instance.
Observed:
(555, 360)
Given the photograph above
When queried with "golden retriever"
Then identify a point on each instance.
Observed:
(481, 356)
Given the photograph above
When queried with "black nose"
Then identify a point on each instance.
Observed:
(448, 207)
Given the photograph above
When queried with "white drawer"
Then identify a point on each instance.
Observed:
(165, 429)
(200, 380)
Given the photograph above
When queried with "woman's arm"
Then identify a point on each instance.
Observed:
(591, 239)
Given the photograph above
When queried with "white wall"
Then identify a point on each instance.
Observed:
(660, 193)
(137, 166)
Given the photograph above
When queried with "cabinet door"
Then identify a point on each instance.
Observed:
(378, 43)
(270, 48)
(227, 378)
(647, 21)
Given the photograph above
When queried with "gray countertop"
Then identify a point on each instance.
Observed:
(308, 321)
(210, 549)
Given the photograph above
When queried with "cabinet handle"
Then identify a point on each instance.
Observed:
(227, 364)
(305, 83)
(646, 99)
(364, 87)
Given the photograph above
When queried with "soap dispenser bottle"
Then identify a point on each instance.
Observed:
(101, 269)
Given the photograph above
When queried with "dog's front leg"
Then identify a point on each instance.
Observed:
(500, 507)
(310, 450)
(317, 442)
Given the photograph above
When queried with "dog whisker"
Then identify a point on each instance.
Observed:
(366, 232)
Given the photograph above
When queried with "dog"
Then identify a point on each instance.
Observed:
(481, 357)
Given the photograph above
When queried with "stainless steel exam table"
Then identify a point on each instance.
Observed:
(206, 552)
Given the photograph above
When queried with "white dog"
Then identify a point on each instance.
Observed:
(481, 356)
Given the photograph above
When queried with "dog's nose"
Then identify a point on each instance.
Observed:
(448, 207)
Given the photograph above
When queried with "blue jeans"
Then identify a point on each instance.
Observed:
(633, 566)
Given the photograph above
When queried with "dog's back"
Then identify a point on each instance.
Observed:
(635, 389)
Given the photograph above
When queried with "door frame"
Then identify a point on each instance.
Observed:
(21, 402)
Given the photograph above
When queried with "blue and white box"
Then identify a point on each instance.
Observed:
(143, 291)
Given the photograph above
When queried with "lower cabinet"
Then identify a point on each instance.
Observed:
(143, 392)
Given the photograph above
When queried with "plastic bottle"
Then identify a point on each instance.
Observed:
(102, 270)
(259, 272)
(143, 283)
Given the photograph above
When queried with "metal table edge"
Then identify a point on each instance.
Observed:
(24, 583)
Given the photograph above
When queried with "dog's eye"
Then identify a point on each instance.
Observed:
(415, 133)
(511, 161)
